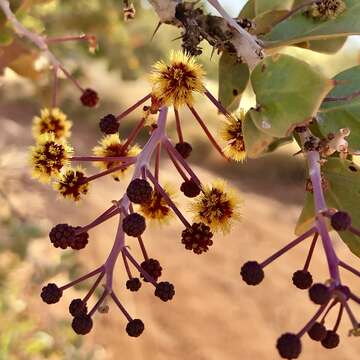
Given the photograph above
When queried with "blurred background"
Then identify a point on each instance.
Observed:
(213, 315)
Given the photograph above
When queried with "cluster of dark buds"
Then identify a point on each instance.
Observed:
(328, 295)
(214, 207)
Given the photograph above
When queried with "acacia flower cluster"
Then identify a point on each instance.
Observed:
(329, 294)
(214, 207)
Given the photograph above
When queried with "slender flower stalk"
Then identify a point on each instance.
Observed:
(288, 247)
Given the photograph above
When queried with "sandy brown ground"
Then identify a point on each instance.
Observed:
(213, 315)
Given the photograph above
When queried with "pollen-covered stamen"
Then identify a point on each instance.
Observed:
(232, 133)
(166, 197)
(133, 107)
(72, 183)
(207, 132)
(217, 206)
(175, 83)
(326, 9)
(288, 247)
(144, 273)
(52, 121)
(113, 146)
(49, 156)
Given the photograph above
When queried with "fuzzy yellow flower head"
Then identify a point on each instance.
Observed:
(72, 184)
(51, 120)
(113, 146)
(157, 208)
(326, 9)
(175, 83)
(216, 207)
(48, 157)
(232, 133)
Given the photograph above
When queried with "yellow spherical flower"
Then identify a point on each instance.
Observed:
(175, 83)
(48, 157)
(72, 183)
(232, 133)
(326, 9)
(51, 120)
(217, 207)
(113, 146)
(157, 208)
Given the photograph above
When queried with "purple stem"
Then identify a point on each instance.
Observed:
(349, 268)
(181, 160)
(177, 166)
(120, 306)
(309, 325)
(93, 288)
(128, 271)
(142, 247)
(320, 206)
(82, 278)
(354, 230)
(178, 125)
(217, 103)
(311, 252)
(338, 320)
(167, 198)
(105, 216)
(355, 298)
(288, 247)
(133, 107)
(351, 315)
(99, 302)
(139, 268)
(124, 159)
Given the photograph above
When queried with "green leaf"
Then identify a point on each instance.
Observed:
(6, 36)
(256, 142)
(233, 79)
(264, 6)
(300, 28)
(288, 93)
(328, 46)
(343, 114)
(248, 11)
(343, 177)
(266, 21)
